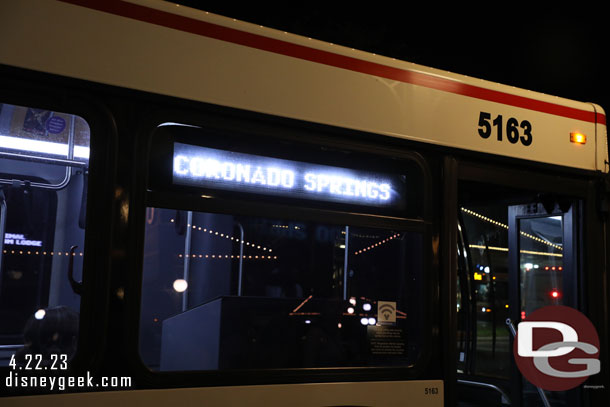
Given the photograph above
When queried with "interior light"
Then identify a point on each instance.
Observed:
(45, 147)
(180, 285)
(578, 138)
(39, 314)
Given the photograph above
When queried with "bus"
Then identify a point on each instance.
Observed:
(203, 211)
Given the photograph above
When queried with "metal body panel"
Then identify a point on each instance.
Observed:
(172, 50)
(415, 393)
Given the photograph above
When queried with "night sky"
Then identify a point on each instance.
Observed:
(557, 52)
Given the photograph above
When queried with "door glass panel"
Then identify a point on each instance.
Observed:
(541, 270)
(486, 234)
(540, 262)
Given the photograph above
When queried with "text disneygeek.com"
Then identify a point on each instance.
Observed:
(16, 380)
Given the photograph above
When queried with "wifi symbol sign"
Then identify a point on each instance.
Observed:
(386, 311)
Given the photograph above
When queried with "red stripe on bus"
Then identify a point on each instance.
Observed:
(198, 27)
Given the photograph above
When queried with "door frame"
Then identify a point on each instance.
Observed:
(571, 270)
(540, 182)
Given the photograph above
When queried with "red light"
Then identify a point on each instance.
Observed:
(522, 315)
(555, 294)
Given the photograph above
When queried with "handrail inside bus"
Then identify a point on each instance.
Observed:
(2, 227)
(513, 331)
(505, 399)
(241, 258)
(188, 238)
(68, 162)
(44, 160)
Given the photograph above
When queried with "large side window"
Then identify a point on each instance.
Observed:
(257, 260)
(44, 159)
(229, 292)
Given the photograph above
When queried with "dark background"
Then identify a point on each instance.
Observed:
(554, 50)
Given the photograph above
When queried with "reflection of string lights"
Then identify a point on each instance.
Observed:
(374, 245)
(41, 253)
(294, 311)
(553, 245)
(502, 225)
(226, 236)
(361, 236)
(478, 246)
(286, 227)
(485, 218)
(541, 253)
(505, 249)
(302, 303)
(226, 256)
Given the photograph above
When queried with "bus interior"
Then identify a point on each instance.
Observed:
(43, 193)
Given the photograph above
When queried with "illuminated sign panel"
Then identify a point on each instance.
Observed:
(20, 240)
(227, 170)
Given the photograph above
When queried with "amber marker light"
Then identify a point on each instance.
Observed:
(578, 138)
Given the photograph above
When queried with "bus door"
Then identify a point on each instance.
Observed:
(517, 252)
(543, 265)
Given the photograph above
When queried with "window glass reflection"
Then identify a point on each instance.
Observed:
(232, 292)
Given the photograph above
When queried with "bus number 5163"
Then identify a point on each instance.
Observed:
(514, 130)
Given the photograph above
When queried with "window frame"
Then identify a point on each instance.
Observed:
(45, 91)
(279, 130)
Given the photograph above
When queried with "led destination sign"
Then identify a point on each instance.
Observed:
(227, 170)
